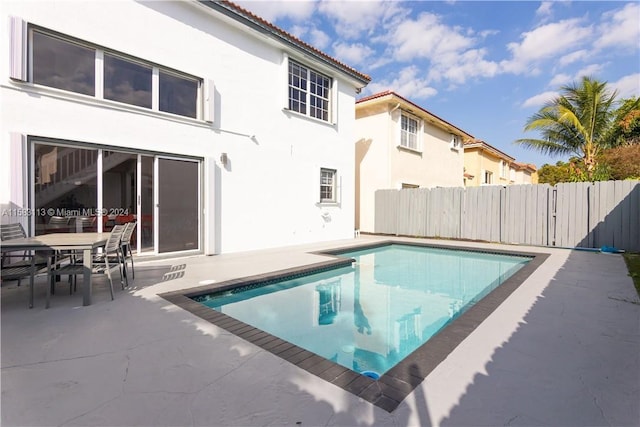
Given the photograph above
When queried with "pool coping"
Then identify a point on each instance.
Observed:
(398, 382)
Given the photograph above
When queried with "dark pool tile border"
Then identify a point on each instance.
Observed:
(392, 387)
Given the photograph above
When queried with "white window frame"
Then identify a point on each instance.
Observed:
(407, 132)
(487, 174)
(333, 185)
(206, 89)
(504, 166)
(308, 96)
(455, 142)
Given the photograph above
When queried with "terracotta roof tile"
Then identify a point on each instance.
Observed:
(392, 93)
(293, 39)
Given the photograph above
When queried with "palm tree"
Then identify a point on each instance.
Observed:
(578, 122)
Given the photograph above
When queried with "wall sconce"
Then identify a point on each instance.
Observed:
(224, 159)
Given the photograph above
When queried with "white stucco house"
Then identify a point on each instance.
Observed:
(399, 144)
(216, 130)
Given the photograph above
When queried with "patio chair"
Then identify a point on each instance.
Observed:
(16, 270)
(58, 224)
(102, 263)
(126, 249)
(86, 223)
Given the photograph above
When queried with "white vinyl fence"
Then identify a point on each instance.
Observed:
(589, 215)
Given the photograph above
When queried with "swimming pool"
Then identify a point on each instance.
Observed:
(339, 318)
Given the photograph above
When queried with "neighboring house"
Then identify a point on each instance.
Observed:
(524, 173)
(216, 130)
(401, 145)
(486, 165)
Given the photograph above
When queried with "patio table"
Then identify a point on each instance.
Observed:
(85, 242)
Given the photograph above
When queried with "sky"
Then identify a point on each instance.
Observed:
(483, 66)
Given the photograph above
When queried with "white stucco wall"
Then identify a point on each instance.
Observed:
(267, 194)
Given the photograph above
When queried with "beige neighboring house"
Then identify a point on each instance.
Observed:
(401, 145)
(486, 165)
(524, 173)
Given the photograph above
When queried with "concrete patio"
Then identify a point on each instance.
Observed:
(563, 349)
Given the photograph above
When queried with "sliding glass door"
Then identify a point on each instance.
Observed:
(92, 188)
(178, 205)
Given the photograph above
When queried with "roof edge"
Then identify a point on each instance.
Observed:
(478, 143)
(263, 26)
(392, 94)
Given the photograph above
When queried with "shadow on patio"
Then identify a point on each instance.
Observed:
(573, 360)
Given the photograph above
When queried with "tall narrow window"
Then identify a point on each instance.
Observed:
(409, 132)
(327, 185)
(309, 92)
(488, 177)
(319, 96)
(503, 169)
(62, 64)
(127, 81)
(456, 142)
(178, 95)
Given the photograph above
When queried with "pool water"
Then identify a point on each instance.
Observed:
(371, 315)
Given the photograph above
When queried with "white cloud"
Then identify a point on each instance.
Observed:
(427, 37)
(620, 28)
(572, 57)
(272, 10)
(315, 37)
(540, 99)
(353, 19)
(560, 80)
(627, 86)
(545, 42)
(545, 9)
(408, 84)
(486, 33)
(298, 30)
(451, 51)
(319, 38)
(459, 67)
(592, 70)
(354, 54)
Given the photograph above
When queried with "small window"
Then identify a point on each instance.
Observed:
(62, 64)
(178, 95)
(504, 167)
(127, 81)
(487, 177)
(327, 185)
(309, 92)
(456, 142)
(409, 132)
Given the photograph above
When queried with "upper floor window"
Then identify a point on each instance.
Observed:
(63, 65)
(327, 185)
(487, 177)
(409, 132)
(309, 91)
(504, 167)
(75, 66)
(127, 81)
(456, 142)
(178, 94)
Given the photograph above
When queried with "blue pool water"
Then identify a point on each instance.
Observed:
(370, 316)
